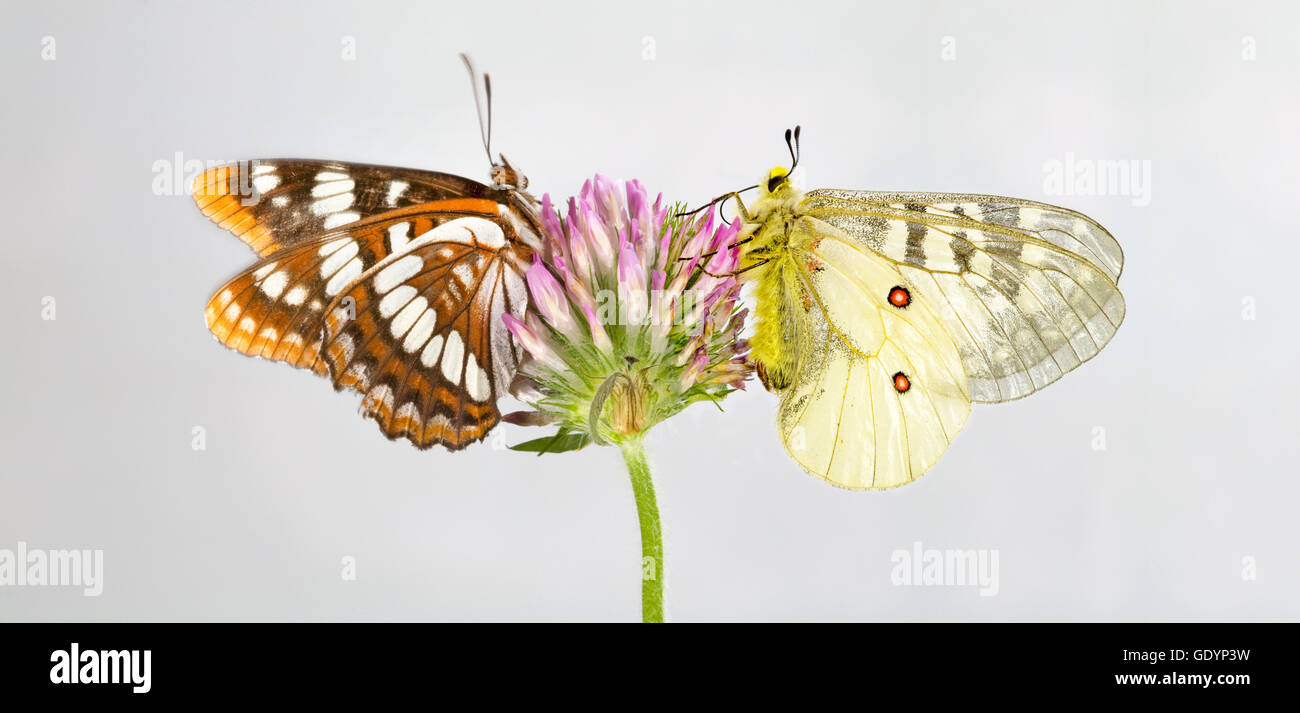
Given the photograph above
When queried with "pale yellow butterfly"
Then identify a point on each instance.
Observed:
(882, 316)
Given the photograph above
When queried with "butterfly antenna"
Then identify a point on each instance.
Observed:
(487, 87)
(715, 201)
(793, 147)
(484, 129)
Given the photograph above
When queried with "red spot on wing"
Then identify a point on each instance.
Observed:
(900, 297)
(901, 382)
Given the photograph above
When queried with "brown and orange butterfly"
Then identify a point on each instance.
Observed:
(388, 281)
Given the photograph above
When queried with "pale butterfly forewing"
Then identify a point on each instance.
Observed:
(1028, 291)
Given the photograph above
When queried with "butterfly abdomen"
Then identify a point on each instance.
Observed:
(774, 348)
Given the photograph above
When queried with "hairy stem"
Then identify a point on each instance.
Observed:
(652, 548)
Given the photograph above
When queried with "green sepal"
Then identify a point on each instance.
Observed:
(559, 442)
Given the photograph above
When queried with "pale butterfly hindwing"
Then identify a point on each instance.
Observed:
(843, 419)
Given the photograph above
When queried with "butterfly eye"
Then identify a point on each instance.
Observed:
(900, 297)
(776, 178)
(901, 382)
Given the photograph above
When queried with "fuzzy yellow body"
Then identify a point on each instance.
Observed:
(880, 317)
(775, 347)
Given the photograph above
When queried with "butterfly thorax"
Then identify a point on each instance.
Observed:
(769, 259)
(508, 185)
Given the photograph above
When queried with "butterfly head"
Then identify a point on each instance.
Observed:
(506, 176)
(777, 195)
(776, 188)
(777, 181)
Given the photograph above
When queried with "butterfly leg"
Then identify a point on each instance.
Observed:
(740, 205)
(733, 273)
(710, 254)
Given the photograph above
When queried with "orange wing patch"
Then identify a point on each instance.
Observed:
(226, 196)
(273, 309)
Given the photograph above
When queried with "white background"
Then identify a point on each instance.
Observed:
(1197, 403)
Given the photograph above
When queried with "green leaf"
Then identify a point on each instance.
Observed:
(715, 397)
(557, 443)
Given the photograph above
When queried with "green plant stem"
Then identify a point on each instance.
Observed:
(652, 546)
